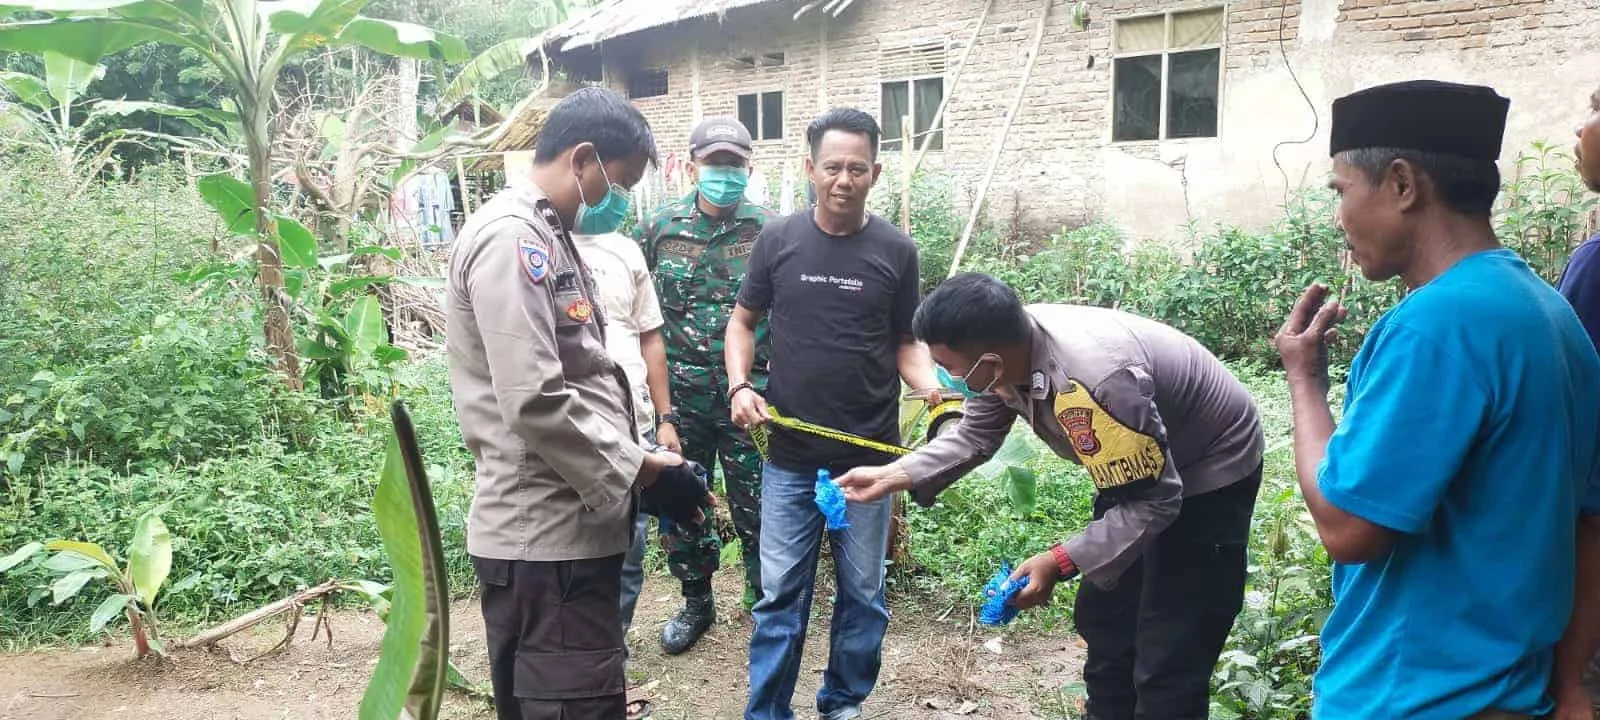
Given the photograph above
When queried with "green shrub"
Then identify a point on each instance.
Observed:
(1238, 286)
(104, 357)
(248, 528)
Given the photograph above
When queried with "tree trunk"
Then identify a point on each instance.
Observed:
(141, 641)
(409, 77)
(279, 333)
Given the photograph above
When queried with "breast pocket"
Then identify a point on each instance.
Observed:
(577, 340)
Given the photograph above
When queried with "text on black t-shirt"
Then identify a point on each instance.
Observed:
(840, 308)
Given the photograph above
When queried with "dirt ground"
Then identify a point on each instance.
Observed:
(938, 665)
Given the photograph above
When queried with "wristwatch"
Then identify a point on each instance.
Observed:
(669, 418)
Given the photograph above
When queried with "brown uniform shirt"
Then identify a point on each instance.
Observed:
(543, 408)
(1150, 413)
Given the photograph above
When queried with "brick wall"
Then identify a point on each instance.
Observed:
(1058, 165)
(1418, 25)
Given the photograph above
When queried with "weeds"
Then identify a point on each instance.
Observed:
(125, 389)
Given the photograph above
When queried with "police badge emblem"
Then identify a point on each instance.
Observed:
(1079, 424)
(580, 310)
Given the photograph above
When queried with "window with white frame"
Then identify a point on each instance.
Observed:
(912, 84)
(1167, 75)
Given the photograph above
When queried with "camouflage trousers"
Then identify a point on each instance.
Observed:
(709, 437)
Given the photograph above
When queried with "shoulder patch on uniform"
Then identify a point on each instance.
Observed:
(535, 258)
(1114, 454)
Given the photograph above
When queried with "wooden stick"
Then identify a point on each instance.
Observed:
(905, 154)
(1000, 142)
(257, 616)
(461, 179)
(949, 90)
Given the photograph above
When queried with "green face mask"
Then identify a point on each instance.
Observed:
(605, 216)
(723, 186)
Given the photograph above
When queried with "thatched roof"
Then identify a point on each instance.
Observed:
(625, 17)
(518, 133)
(472, 112)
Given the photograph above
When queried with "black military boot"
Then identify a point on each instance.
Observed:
(698, 614)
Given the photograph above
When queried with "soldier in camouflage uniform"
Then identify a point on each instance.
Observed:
(697, 248)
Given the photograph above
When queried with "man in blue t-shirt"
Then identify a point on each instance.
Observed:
(1580, 284)
(1447, 495)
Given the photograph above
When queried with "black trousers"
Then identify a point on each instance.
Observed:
(555, 638)
(1154, 639)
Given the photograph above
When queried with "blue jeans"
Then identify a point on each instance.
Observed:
(633, 570)
(633, 563)
(791, 540)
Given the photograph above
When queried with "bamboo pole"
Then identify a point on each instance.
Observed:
(949, 91)
(461, 179)
(905, 192)
(1000, 142)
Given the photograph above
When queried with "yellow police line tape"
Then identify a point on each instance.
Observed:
(759, 433)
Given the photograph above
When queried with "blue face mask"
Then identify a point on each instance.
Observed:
(605, 216)
(723, 186)
(959, 384)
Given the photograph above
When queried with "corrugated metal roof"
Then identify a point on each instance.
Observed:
(625, 17)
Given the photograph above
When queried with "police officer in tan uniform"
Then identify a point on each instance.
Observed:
(1173, 444)
(548, 417)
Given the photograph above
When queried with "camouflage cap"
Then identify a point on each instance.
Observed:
(717, 134)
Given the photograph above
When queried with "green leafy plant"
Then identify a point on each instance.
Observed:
(414, 664)
(1544, 208)
(136, 586)
(347, 345)
(249, 43)
(80, 135)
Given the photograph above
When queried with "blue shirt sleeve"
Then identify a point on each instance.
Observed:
(1580, 285)
(1413, 414)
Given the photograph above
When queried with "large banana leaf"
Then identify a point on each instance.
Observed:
(296, 243)
(364, 323)
(150, 557)
(402, 40)
(68, 78)
(232, 198)
(65, 6)
(498, 60)
(215, 122)
(413, 667)
(87, 39)
(27, 88)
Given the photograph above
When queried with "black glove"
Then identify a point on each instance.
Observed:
(677, 493)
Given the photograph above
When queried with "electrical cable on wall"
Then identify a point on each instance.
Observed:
(1316, 120)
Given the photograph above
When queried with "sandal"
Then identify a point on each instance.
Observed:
(638, 709)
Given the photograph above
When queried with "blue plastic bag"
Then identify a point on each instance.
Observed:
(997, 608)
(830, 500)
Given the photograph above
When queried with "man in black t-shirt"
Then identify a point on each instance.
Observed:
(841, 285)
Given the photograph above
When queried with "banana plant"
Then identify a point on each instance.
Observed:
(135, 587)
(250, 42)
(81, 134)
(413, 668)
(348, 347)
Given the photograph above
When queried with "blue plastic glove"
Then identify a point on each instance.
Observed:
(830, 500)
(997, 608)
